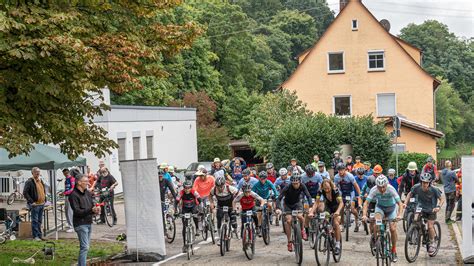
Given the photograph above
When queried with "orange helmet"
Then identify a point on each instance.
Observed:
(378, 169)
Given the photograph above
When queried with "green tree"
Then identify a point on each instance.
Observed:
(318, 10)
(213, 141)
(55, 57)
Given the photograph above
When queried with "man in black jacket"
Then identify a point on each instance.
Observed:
(35, 195)
(83, 208)
(410, 178)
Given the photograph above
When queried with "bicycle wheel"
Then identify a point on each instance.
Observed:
(266, 230)
(229, 237)
(11, 198)
(437, 238)
(247, 240)
(313, 232)
(378, 251)
(170, 228)
(108, 215)
(408, 221)
(211, 229)
(222, 240)
(298, 243)
(372, 246)
(322, 249)
(189, 249)
(204, 231)
(347, 217)
(336, 258)
(387, 249)
(412, 243)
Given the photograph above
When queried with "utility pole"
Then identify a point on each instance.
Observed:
(396, 133)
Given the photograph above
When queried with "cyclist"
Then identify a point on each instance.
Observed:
(283, 180)
(203, 184)
(312, 180)
(263, 188)
(388, 205)
(410, 178)
(391, 178)
(330, 199)
(431, 169)
(430, 200)
(347, 184)
(247, 202)
(272, 174)
(361, 180)
(369, 184)
(350, 164)
(164, 168)
(368, 170)
(165, 185)
(224, 194)
(247, 179)
(322, 170)
(292, 195)
(336, 160)
(189, 200)
(294, 167)
(358, 163)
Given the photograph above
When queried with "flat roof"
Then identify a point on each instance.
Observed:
(141, 107)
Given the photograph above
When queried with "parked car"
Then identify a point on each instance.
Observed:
(192, 168)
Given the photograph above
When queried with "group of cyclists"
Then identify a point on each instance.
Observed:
(309, 191)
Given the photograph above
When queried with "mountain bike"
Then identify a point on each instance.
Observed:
(295, 237)
(347, 215)
(409, 214)
(225, 230)
(266, 222)
(170, 225)
(383, 243)
(207, 223)
(104, 197)
(366, 226)
(248, 236)
(326, 240)
(189, 232)
(418, 235)
(8, 234)
(15, 195)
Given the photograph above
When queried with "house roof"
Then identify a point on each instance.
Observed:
(436, 82)
(417, 126)
(239, 143)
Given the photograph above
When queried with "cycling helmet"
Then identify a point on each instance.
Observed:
(246, 172)
(391, 171)
(283, 171)
(381, 181)
(360, 171)
(309, 169)
(321, 164)
(412, 166)
(220, 181)
(425, 177)
(429, 159)
(187, 184)
(269, 166)
(201, 167)
(340, 166)
(289, 169)
(378, 169)
(262, 175)
(295, 177)
(246, 187)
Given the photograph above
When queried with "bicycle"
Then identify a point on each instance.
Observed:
(295, 237)
(266, 218)
(366, 226)
(207, 223)
(189, 232)
(383, 243)
(418, 234)
(15, 195)
(103, 200)
(313, 229)
(8, 234)
(225, 231)
(347, 215)
(326, 241)
(409, 214)
(248, 236)
(170, 225)
(372, 235)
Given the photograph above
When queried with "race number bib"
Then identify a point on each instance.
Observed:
(372, 215)
(412, 199)
(187, 215)
(348, 197)
(322, 215)
(249, 213)
(378, 222)
(418, 209)
(225, 208)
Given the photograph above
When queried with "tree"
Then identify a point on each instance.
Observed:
(55, 57)
(318, 10)
(213, 141)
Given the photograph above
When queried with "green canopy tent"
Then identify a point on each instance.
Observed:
(46, 158)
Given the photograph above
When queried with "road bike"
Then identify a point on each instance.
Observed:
(326, 240)
(383, 243)
(418, 235)
(189, 232)
(170, 225)
(207, 223)
(15, 195)
(225, 231)
(295, 237)
(248, 235)
(409, 214)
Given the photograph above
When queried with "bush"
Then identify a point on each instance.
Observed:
(405, 158)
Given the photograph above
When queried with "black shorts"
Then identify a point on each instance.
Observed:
(295, 207)
(430, 216)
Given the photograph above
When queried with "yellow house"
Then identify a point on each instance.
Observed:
(357, 67)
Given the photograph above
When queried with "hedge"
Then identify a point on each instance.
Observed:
(405, 158)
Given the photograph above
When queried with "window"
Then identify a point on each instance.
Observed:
(342, 105)
(136, 148)
(149, 147)
(376, 60)
(336, 62)
(355, 25)
(386, 104)
(121, 150)
(399, 148)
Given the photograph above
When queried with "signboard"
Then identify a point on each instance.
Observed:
(467, 163)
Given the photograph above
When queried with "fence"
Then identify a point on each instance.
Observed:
(455, 161)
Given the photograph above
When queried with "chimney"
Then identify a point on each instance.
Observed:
(342, 4)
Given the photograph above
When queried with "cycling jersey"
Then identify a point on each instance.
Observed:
(345, 183)
(263, 190)
(252, 181)
(361, 182)
(313, 183)
(296, 168)
(388, 199)
(369, 184)
(189, 200)
(224, 197)
(408, 181)
(281, 183)
(427, 200)
(292, 195)
(203, 187)
(332, 204)
(272, 176)
(247, 202)
(324, 174)
(165, 184)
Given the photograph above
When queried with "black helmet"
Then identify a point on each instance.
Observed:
(220, 181)
(309, 169)
(246, 187)
(187, 184)
(262, 175)
(289, 169)
(321, 164)
(269, 166)
(246, 171)
(360, 171)
(295, 178)
(429, 159)
(340, 166)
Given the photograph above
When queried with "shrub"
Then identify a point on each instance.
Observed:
(405, 158)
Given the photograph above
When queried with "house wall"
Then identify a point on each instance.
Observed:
(415, 141)
(414, 53)
(402, 76)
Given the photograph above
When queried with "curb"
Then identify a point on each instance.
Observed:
(458, 236)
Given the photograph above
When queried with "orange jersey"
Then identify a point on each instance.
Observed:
(203, 187)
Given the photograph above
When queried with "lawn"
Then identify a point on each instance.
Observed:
(459, 150)
(66, 251)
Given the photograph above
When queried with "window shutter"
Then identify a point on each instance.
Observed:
(386, 105)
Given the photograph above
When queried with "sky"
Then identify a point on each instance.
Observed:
(457, 14)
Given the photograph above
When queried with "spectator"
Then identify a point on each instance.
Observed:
(106, 180)
(449, 181)
(322, 171)
(336, 160)
(350, 164)
(92, 179)
(295, 167)
(165, 167)
(358, 164)
(69, 184)
(368, 171)
(315, 161)
(431, 169)
(237, 165)
(391, 178)
(83, 208)
(459, 197)
(35, 195)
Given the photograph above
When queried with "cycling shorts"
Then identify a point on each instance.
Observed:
(387, 212)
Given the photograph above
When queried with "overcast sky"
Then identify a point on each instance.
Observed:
(457, 14)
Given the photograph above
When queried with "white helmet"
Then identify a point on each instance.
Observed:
(283, 171)
(425, 177)
(381, 181)
(391, 171)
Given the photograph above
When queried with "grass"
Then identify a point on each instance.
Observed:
(66, 251)
(458, 150)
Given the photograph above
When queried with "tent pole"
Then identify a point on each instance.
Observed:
(55, 203)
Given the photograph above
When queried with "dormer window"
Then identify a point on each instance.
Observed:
(355, 24)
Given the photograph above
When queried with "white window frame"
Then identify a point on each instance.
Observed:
(377, 102)
(368, 60)
(343, 63)
(352, 24)
(334, 105)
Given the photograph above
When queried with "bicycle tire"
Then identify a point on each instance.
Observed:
(189, 248)
(437, 228)
(313, 232)
(108, 215)
(378, 251)
(229, 237)
(211, 229)
(348, 222)
(247, 240)
(266, 230)
(388, 249)
(297, 243)
(322, 245)
(413, 237)
(204, 230)
(410, 217)
(222, 240)
(11, 198)
(171, 225)
(366, 228)
(337, 258)
(372, 246)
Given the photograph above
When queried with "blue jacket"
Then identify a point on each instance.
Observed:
(252, 181)
(393, 182)
(263, 190)
(361, 183)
